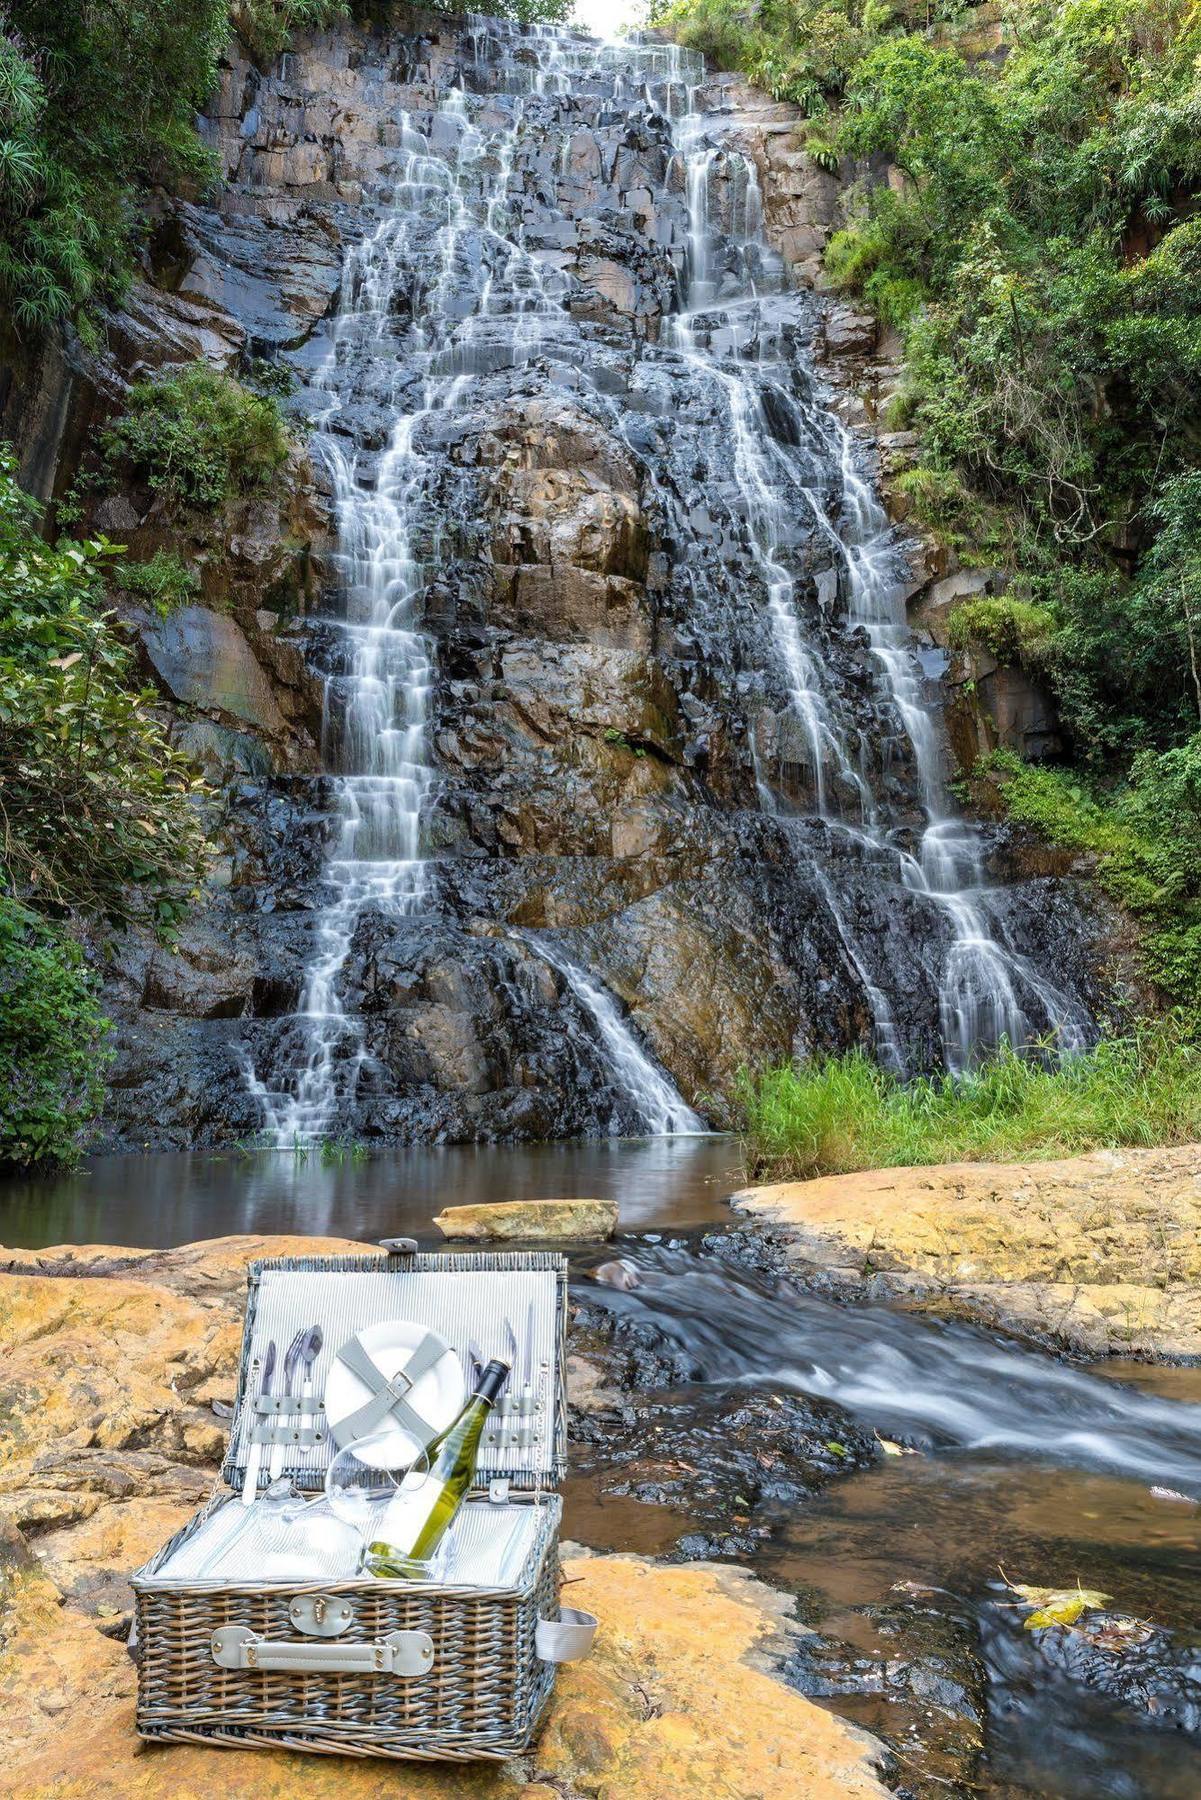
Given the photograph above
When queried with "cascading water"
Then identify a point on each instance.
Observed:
(557, 240)
(987, 992)
(663, 1111)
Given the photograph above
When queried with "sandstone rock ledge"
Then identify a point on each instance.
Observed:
(1098, 1253)
(112, 1359)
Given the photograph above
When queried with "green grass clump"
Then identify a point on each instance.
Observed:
(162, 583)
(842, 1113)
(1145, 838)
(1015, 631)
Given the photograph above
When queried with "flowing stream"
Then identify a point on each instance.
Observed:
(456, 291)
(1023, 1465)
(1015, 1466)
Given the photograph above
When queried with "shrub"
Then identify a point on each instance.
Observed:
(162, 583)
(838, 1114)
(196, 436)
(1012, 630)
(1146, 840)
(51, 1040)
(97, 809)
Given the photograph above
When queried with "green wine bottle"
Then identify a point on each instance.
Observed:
(417, 1520)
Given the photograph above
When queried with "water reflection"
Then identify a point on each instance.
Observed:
(157, 1201)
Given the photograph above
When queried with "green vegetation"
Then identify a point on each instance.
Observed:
(1146, 840)
(1014, 631)
(96, 808)
(196, 436)
(96, 103)
(844, 1113)
(162, 583)
(98, 822)
(51, 1039)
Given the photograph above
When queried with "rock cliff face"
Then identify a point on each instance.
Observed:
(469, 247)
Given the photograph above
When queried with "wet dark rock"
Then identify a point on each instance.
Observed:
(617, 752)
(914, 1672)
(736, 1464)
(1149, 1670)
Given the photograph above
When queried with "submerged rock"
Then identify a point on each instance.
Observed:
(540, 1221)
(1100, 1253)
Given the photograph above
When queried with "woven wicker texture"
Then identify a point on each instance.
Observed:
(485, 1688)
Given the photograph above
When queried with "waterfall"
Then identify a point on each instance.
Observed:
(987, 993)
(499, 262)
(663, 1110)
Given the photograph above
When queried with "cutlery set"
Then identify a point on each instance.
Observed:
(301, 1355)
(515, 1422)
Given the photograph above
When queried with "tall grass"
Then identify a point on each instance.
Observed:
(841, 1113)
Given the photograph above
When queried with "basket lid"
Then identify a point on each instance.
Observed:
(486, 1301)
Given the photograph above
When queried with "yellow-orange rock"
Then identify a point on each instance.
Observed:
(1101, 1252)
(113, 1358)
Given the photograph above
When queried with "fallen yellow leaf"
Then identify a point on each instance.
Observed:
(1057, 1606)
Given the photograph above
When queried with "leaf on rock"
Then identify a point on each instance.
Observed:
(1057, 1606)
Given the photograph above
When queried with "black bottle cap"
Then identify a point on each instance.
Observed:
(493, 1379)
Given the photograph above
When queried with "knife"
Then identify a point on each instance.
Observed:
(525, 1403)
(254, 1455)
(507, 1401)
(291, 1359)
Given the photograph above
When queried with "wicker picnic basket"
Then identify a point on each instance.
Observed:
(362, 1666)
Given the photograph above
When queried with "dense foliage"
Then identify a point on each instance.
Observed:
(97, 810)
(1145, 839)
(195, 435)
(51, 1039)
(97, 103)
(842, 1113)
(1040, 248)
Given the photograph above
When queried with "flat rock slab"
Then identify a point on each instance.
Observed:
(1101, 1253)
(111, 1359)
(534, 1221)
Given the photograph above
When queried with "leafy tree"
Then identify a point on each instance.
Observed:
(97, 810)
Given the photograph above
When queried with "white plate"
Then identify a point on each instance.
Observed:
(439, 1395)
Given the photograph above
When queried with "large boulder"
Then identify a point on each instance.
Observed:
(1101, 1253)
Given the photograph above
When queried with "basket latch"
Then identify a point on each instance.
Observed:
(321, 1615)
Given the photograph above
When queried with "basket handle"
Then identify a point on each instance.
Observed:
(567, 1638)
(403, 1653)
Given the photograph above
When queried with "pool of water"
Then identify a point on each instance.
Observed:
(155, 1202)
